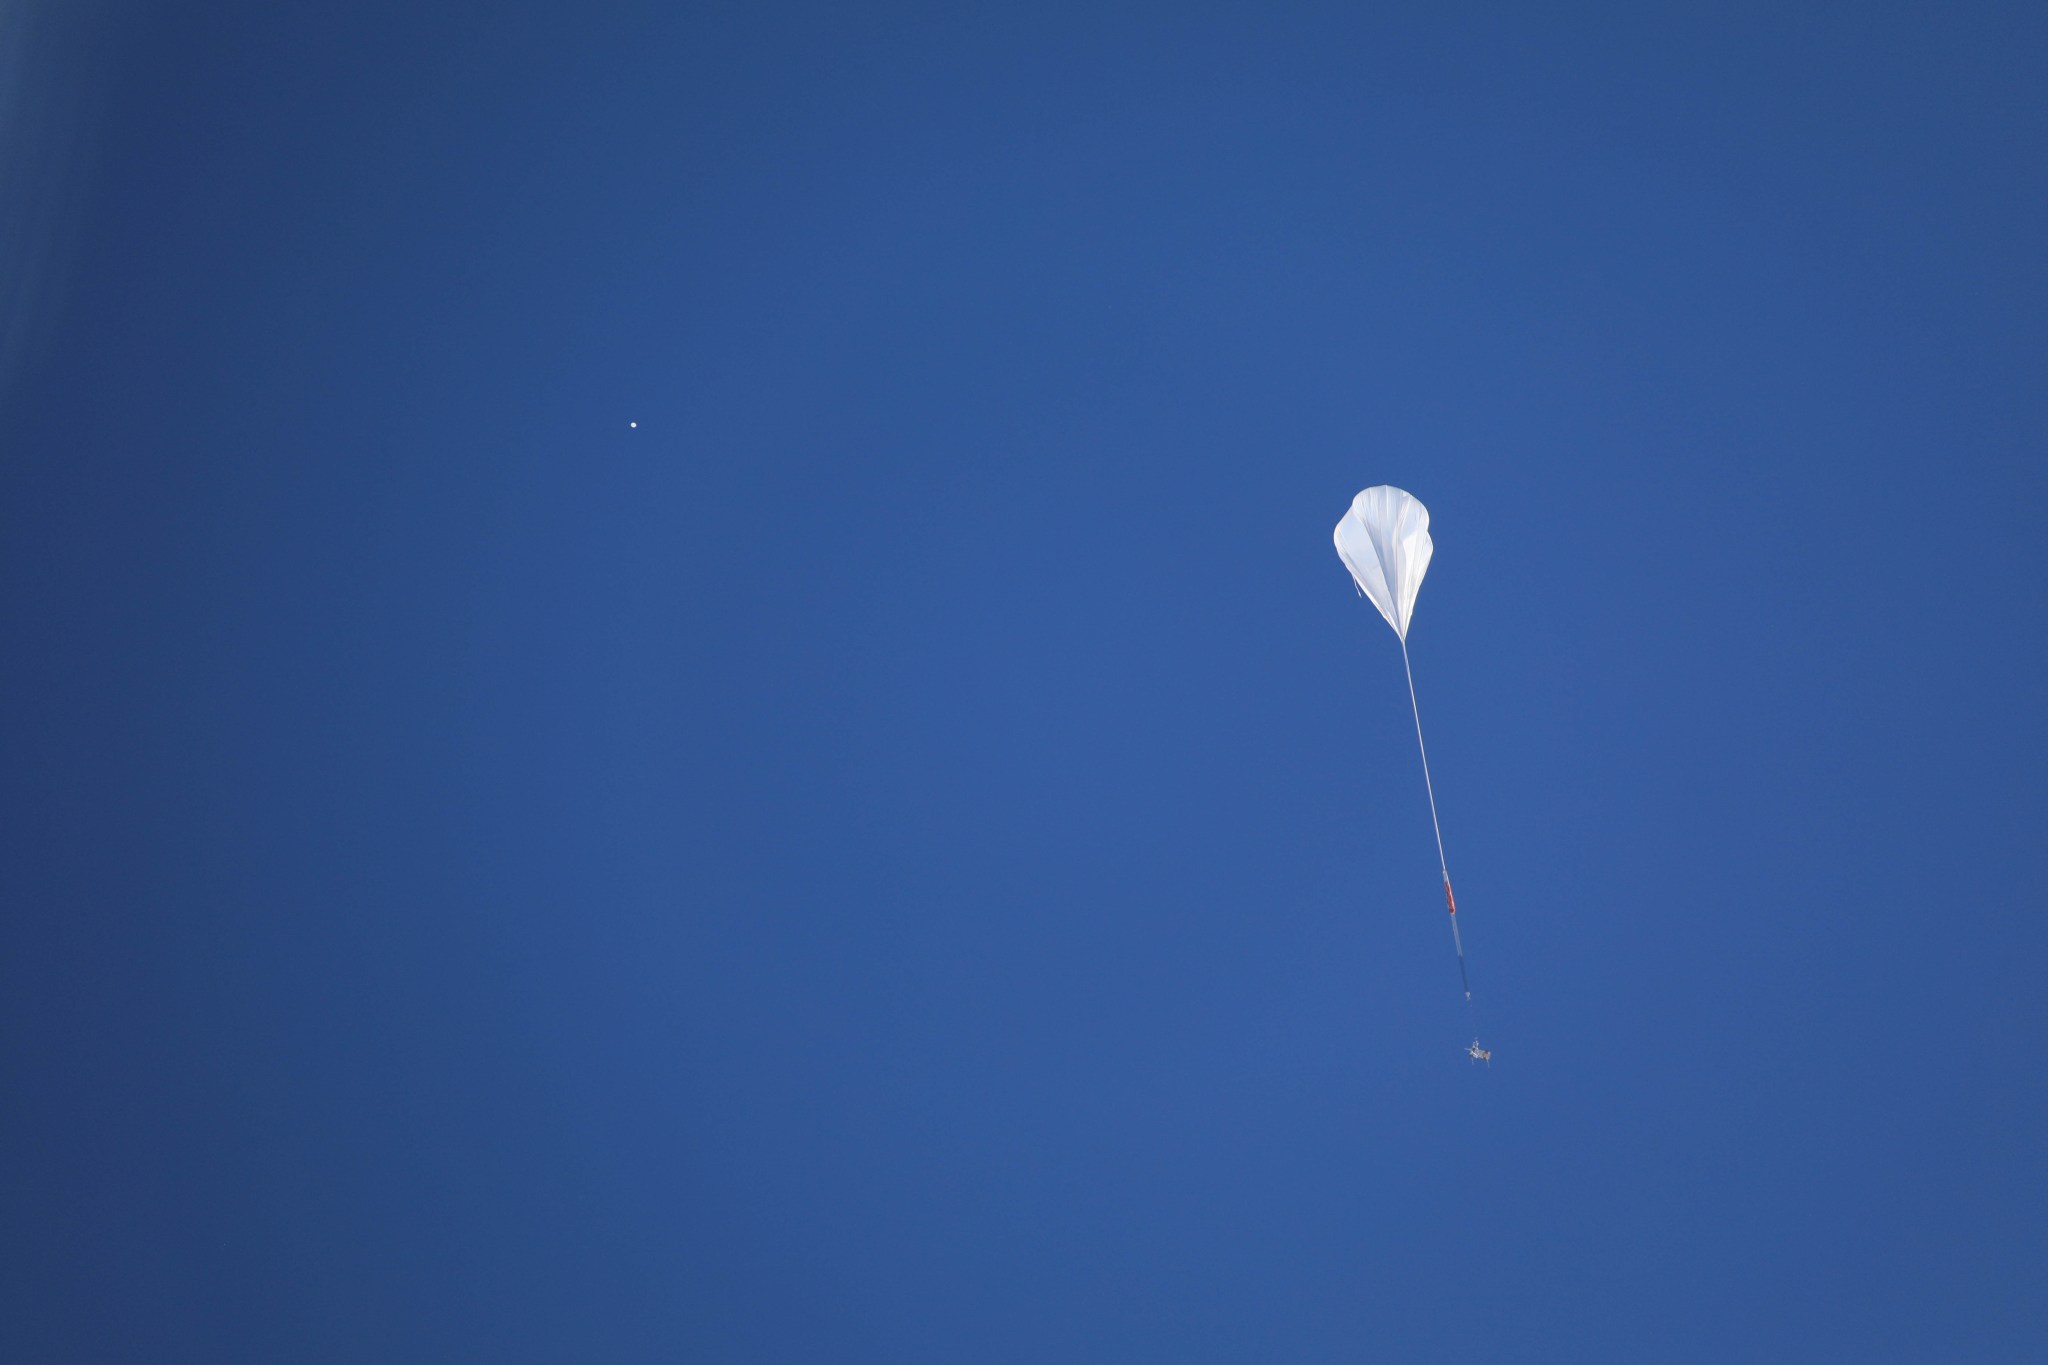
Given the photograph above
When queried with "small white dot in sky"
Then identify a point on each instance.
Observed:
(634, 425)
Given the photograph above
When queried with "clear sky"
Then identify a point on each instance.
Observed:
(915, 852)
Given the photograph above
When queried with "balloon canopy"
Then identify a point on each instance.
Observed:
(1384, 541)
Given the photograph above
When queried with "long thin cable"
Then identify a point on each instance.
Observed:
(1450, 901)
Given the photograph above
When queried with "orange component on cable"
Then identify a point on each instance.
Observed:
(1450, 900)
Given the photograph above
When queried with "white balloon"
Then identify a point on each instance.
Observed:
(1384, 541)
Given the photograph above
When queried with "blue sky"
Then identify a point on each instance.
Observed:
(915, 853)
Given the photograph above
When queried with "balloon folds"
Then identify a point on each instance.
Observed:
(1384, 541)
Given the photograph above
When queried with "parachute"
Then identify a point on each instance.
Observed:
(1384, 542)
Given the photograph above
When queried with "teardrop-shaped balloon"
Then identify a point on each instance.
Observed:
(1384, 541)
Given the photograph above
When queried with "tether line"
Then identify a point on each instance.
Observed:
(1450, 901)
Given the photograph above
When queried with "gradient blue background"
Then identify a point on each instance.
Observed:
(916, 853)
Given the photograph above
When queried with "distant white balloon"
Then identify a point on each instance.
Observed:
(1384, 541)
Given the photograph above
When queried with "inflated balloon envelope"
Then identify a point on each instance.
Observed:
(1384, 542)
